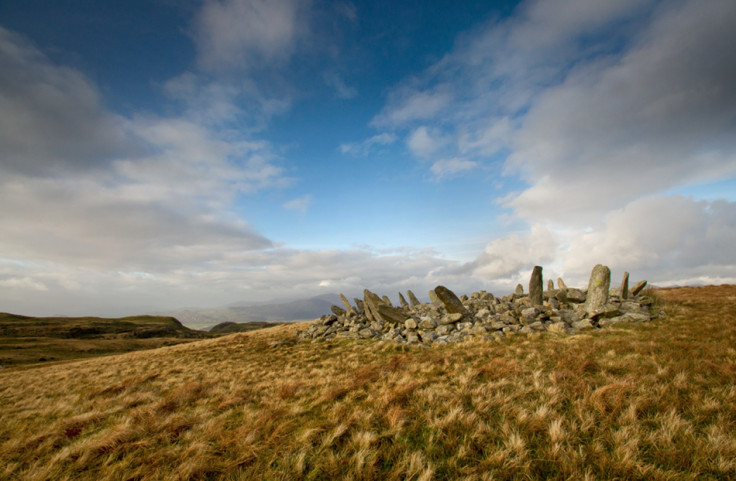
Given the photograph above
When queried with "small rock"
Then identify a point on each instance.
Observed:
(584, 325)
(410, 324)
(451, 318)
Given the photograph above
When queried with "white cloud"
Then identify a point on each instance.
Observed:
(300, 204)
(408, 105)
(452, 167)
(369, 145)
(246, 34)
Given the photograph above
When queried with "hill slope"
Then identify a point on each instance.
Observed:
(637, 402)
(25, 339)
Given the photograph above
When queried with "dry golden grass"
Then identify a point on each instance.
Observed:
(656, 401)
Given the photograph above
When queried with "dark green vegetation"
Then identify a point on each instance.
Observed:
(25, 339)
(232, 327)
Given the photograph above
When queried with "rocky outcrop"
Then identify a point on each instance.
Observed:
(450, 318)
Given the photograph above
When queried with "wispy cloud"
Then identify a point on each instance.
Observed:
(452, 167)
(369, 145)
(300, 204)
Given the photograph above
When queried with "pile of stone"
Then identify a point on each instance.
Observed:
(450, 319)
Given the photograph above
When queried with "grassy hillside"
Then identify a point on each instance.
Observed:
(25, 339)
(655, 401)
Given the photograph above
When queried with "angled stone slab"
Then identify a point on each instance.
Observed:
(402, 301)
(638, 288)
(624, 290)
(346, 303)
(412, 298)
(449, 300)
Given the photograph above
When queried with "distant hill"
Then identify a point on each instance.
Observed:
(302, 309)
(29, 340)
(140, 327)
(231, 327)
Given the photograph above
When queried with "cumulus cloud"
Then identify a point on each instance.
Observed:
(246, 34)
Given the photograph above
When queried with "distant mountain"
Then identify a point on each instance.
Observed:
(302, 309)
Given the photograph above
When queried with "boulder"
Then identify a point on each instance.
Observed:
(338, 311)
(391, 314)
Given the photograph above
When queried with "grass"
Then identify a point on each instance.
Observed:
(656, 401)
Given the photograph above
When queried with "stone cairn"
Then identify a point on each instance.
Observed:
(448, 319)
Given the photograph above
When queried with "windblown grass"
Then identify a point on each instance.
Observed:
(656, 401)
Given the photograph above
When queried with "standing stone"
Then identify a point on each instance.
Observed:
(638, 287)
(345, 301)
(450, 300)
(624, 291)
(536, 287)
(387, 301)
(519, 290)
(402, 301)
(412, 298)
(561, 284)
(550, 285)
(359, 304)
(600, 282)
(433, 297)
(371, 302)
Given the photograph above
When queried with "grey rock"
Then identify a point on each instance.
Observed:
(600, 282)
(638, 288)
(449, 300)
(575, 295)
(348, 307)
(359, 304)
(558, 327)
(445, 329)
(519, 290)
(338, 310)
(391, 314)
(412, 338)
(427, 323)
(410, 324)
(368, 333)
(371, 302)
(402, 301)
(536, 287)
(624, 290)
(550, 285)
(584, 325)
(451, 318)
(387, 301)
(412, 298)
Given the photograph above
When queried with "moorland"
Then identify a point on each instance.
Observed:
(651, 401)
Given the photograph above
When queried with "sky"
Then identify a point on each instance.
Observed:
(166, 154)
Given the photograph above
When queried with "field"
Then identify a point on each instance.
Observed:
(656, 401)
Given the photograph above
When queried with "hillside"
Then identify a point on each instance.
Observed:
(233, 327)
(25, 339)
(651, 401)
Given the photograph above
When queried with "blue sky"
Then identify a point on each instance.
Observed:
(160, 154)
